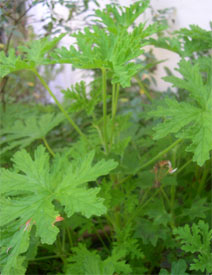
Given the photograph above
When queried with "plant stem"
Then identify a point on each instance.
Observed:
(154, 159)
(69, 234)
(143, 88)
(45, 258)
(172, 204)
(183, 166)
(63, 237)
(160, 154)
(60, 250)
(58, 104)
(48, 147)
(115, 96)
(165, 195)
(202, 182)
(113, 100)
(104, 99)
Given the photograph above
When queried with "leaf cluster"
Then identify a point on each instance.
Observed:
(89, 262)
(23, 132)
(30, 56)
(29, 191)
(112, 46)
(186, 42)
(197, 240)
(190, 120)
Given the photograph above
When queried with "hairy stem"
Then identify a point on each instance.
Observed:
(104, 99)
(160, 154)
(153, 159)
(113, 100)
(58, 104)
(48, 147)
(115, 96)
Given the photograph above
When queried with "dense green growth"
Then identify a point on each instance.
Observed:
(116, 180)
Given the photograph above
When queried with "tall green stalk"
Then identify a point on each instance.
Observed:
(104, 99)
(58, 104)
(115, 96)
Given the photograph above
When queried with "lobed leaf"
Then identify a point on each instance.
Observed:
(28, 193)
(29, 57)
(25, 131)
(86, 262)
(116, 18)
(192, 120)
(197, 240)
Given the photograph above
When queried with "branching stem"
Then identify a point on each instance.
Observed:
(58, 104)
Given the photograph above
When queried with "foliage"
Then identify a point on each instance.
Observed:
(111, 47)
(28, 196)
(24, 132)
(86, 262)
(186, 42)
(118, 188)
(189, 120)
(197, 240)
(34, 55)
(177, 268)
(80, 99)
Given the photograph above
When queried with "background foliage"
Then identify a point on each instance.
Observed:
(116, 179)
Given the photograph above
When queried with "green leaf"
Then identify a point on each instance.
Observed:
(123, 17)
(198, 241)
(163, 272)
(178, 268)
(26, 131)
(172, 44)
(13, 244)
(192, 120)
(29, 192)
(35, 51)
(80, 99)
(192, 81)
(113, 49)
(150, 232)
(157, 212)
(197, 209)
(12, 63)
(30, 56)
(186, 42)
(195, 39)
(87, 262)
